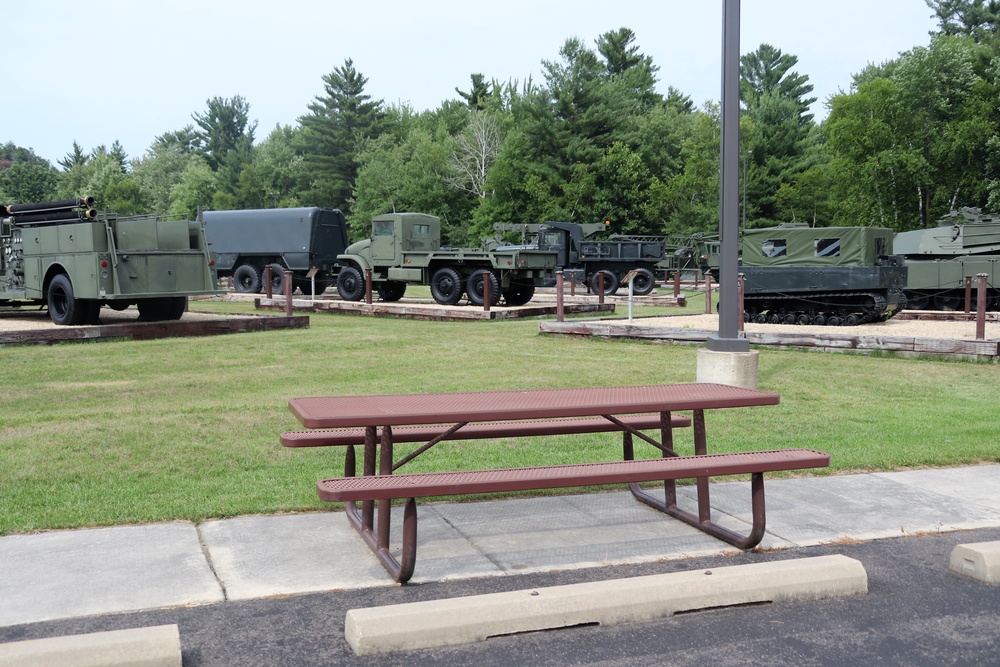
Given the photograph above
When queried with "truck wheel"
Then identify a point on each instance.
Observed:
(162, 308)
(519, 294)
(476, 287)
(350, 284)
(610, 282)
(64, 308)
(391, 290)
(446, 286)
(643, 282)
(246, 279)
(277, 277)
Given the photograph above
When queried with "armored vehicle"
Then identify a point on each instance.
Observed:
(73, 259)
(826, 276)
(405, 248)
(298, 239)
(964, 244)
(592, 260)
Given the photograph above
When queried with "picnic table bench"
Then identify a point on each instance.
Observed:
(377, 422)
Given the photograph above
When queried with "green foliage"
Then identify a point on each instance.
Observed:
(333, 133)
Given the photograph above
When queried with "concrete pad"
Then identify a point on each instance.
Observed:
(446, 622)
(979, 560)
(818, 510)
(64, 574)
(261, 556)
(158, 646)
(979, 484)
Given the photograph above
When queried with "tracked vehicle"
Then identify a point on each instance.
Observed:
(964, 244)
(824, 276)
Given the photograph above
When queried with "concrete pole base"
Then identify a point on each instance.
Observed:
(738, 369)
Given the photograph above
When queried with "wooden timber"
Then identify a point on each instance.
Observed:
(908, 345)
(428, 310)
(150, 330)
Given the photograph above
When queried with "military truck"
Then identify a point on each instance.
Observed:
(795, 274)
(73, 259)
(938, 260)
(590, 261)
(299, 239)
(405, 248)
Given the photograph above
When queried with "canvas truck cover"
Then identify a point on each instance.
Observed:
(815, 246)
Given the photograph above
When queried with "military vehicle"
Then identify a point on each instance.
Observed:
(405, 248)
(298, 239)
(795, 274)
(73, 259)
(589, 260)
(964, 244)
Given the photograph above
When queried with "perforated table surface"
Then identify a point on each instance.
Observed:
(399, 409)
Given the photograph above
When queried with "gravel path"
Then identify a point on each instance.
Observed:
(894, 327)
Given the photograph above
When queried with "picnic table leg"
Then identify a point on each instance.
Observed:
(666, 450)
(368, 506)
(384, 506)
(703, 519)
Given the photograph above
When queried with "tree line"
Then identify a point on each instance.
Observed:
(909, 141)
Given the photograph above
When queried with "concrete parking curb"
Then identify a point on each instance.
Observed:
(468, 619)
(156, 646)
(980, 560)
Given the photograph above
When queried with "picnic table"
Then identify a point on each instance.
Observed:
(379, 421)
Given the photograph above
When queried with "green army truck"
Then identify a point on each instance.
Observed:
(73, 259)
(405, 248)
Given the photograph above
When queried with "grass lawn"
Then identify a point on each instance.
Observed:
(187, 428)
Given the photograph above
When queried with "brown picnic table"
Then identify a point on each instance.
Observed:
(379, 421)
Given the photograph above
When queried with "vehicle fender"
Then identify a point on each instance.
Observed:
(359, 261)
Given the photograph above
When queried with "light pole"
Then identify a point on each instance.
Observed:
(743, 222)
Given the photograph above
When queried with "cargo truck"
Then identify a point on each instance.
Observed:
(405, 249)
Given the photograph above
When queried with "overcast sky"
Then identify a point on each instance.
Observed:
(95, 71)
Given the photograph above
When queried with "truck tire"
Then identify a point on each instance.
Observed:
(277, 277)
(64, 308)
(162, 308)
(643, 282)
(519, 294)
(610, 282)
(350, 284)
(246, 279)
(476, 287)
(446, 286)
(391, 290)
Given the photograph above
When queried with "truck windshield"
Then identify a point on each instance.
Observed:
(382, 227)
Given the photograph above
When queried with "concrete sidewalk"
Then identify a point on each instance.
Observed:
(68, 574)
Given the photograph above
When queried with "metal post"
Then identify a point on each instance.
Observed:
(677, 283)
(560, 311)
(708, 293)
(572, 285)
(600, 287)
(727, 339)
(486, 291)
(286, 287)
(981, 306)
(267, 282)
(741, 278)
(368, 286)
(631, 291)
(968, 294)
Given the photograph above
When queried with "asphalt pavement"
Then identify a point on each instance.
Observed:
(273, 590)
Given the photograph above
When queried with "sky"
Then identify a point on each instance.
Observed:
(96, 71)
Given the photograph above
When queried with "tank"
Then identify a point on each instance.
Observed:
(795, 274)
(965, 244)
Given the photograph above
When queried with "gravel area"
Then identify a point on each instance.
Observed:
(26, 320)
(893, 327)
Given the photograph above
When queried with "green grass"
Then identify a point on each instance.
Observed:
(187, 428)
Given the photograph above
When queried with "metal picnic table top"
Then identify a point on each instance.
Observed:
(437, 408)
